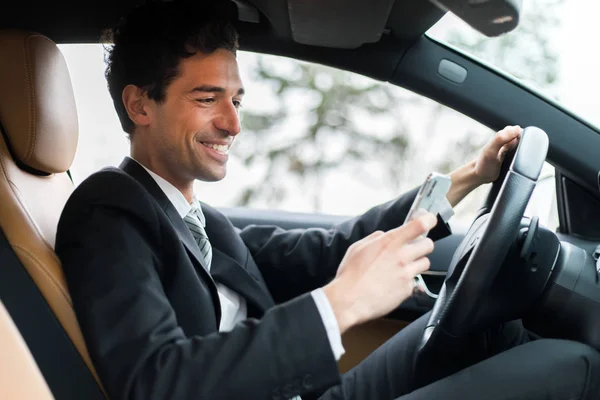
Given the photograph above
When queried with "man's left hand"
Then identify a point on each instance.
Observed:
(489, 161)
(486, 168)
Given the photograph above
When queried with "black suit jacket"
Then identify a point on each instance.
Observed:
(149, 310)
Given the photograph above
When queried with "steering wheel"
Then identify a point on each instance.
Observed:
(480, 256)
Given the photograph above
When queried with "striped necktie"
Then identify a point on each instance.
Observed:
(195, 222)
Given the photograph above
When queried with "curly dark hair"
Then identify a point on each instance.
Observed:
(145, 48)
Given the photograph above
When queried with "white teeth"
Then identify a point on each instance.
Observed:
(224, 149)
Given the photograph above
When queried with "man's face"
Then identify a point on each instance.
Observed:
(192, 130)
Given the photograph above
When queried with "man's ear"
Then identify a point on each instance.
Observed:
(136, 104)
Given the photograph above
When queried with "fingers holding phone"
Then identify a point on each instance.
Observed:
(377, 272)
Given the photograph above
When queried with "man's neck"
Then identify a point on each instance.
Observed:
(186, 187)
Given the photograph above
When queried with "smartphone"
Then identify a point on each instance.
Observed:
(431, 196)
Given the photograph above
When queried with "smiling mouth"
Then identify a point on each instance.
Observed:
(220, 148)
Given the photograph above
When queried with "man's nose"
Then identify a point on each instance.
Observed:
(229, 120)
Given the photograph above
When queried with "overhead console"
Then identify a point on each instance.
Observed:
(350, 24)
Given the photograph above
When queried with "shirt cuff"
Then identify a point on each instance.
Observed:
(330, 323)
(445, 210)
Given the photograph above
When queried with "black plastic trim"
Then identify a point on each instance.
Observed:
(61, 365)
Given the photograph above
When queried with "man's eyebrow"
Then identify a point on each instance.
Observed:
(214, 89)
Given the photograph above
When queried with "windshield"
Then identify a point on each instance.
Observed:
(554, 50)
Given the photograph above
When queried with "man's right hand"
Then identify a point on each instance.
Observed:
(377, 272)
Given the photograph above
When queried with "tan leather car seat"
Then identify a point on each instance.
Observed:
(20, 377)
(39, 127)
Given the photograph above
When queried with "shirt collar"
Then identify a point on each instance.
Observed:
(175, 196)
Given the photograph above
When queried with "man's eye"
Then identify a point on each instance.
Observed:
(237, 104)
(206, 101)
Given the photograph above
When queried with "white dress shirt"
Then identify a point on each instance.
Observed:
(233, 306)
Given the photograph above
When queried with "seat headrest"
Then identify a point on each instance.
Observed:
(37, 105)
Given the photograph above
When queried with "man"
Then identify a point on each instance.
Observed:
(174, 303)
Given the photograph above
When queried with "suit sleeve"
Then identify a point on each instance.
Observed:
(299, 260)
(112, 260)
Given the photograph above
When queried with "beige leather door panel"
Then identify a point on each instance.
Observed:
(362, 340)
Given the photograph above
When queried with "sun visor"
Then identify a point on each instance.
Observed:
(490, 17)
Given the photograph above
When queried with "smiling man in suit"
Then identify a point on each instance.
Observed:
(174, 302)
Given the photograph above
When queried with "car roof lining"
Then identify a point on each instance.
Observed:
(334, 23)
(384, 43)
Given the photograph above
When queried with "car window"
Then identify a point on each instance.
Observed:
(314, 139)
(552, 50)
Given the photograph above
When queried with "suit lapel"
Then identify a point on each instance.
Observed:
(230, 273)
(139, 173)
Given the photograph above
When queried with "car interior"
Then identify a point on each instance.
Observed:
(20, 378)
(548, 278)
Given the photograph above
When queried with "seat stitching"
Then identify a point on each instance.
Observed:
(30, 100)
(41, 267)
(27, 215)
(33, 121)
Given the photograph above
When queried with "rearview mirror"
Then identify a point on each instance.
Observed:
(490, 17)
